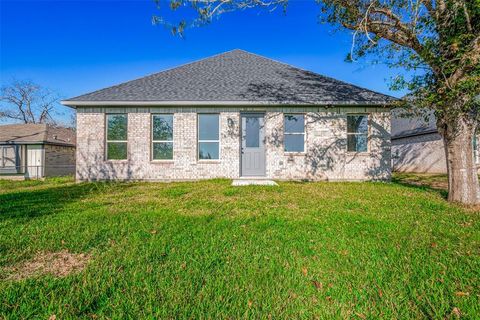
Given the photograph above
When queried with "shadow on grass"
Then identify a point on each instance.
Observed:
(26, 205)
(411, 181)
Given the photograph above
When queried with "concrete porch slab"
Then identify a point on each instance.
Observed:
(253, 182)
(19, 177)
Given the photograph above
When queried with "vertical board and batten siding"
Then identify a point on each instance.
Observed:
(325, 156)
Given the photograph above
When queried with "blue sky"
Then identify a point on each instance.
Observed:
(74, 47)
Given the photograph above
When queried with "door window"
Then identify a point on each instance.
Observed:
(252, 132)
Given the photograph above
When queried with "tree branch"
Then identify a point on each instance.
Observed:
(27, 102)
(467, 62)
(383, 22)
(467, 17)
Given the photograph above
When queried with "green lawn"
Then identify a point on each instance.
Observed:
(434, 181)
(209, 250)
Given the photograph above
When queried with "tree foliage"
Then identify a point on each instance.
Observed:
(437, 41)
(204, 11)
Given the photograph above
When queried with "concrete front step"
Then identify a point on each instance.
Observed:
(253, 182)
(12, 177)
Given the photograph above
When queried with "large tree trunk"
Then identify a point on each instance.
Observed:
(463, 184)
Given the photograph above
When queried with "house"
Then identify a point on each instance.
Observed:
(36, 151)
(417, 146)
(233, 115)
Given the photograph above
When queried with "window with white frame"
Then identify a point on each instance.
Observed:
(294, 133)
(476, 154)
(208, 136)
(357, 133)
(9, 154)
(162, 136)
(117, 136)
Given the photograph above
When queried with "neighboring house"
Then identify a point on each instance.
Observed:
(417, 146)
(233, 115)
(36, 151)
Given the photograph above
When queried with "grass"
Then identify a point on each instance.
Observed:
(434, 181)
(209, 250)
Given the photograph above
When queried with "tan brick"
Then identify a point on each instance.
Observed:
(325, 157)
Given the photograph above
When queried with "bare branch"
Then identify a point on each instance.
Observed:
(27, 102)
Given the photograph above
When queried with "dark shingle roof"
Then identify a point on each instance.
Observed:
(36, 133)
(405, 124)
(237, 76)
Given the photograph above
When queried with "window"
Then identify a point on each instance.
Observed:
(116, 136)
(162, 137)
(294, 135)
(7, 156)
(208, 136)
(476, 155)
(357, 133)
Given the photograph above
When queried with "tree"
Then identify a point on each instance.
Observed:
(27, 102)
(437, 42)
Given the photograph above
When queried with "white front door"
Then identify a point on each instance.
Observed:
(34, 161)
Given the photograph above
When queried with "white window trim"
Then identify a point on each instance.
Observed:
(3, 155)
(118, 141)
(159, 141)
(2, 164)
(304, 133)
(476, 151)
(217, 141)
(359, 134)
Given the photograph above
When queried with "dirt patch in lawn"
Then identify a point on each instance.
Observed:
(58, 264)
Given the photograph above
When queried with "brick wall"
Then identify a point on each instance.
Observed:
(325, 156)
(59, 160)
(325, 144)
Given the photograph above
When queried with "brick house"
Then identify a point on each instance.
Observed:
(35, 151)
(233, 115)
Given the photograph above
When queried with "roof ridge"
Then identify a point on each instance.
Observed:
(158, 72)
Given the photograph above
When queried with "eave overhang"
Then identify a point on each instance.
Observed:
(80, 103)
